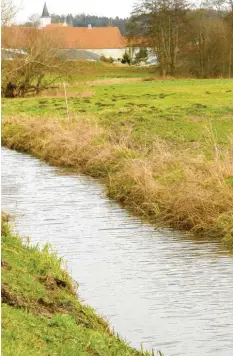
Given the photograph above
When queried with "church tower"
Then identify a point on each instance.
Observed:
(45, 17)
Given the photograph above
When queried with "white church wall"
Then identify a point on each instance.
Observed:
(44, 21)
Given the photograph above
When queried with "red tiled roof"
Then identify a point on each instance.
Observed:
(17, 37)
(70, 37)
(94, 38)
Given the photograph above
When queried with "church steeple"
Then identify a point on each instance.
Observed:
(45, 12)
(45, 17)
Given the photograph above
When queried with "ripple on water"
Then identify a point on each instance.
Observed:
(157, 287)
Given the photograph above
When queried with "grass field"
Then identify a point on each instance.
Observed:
(180, 111)
(41, 314)
(162, 147)
(84, 71)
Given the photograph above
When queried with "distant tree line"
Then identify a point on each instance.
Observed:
(186, 40)
(83, 20)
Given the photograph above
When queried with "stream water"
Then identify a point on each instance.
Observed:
(159, 288)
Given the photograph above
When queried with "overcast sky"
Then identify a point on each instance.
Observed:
(110, 8)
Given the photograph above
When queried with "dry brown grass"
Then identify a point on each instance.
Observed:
(112, 81)
(58, 92)
(168, 186)
(195, 118)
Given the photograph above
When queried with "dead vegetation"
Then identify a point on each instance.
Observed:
(163, 183)
(112, 81)
(58, 92)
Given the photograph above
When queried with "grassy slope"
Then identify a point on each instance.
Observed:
(41, 314)
(163, 147)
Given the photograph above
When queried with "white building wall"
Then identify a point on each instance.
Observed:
(44, 21)
(115, 53)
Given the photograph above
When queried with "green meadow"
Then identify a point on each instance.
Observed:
(182, 111)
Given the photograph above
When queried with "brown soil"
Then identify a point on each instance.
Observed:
(52, 283)
(38, 306)
(9, 298)
(5, 266)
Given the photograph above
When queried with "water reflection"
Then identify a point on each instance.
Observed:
(156, 287)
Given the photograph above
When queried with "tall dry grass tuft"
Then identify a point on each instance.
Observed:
(184, 193)
(168, 185)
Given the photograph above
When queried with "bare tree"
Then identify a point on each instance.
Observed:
(187, 40)
(34, 20)
(163, 24)
(35, 65)
(229, 22)
(209, 44)
(8, 12)
(218, 5)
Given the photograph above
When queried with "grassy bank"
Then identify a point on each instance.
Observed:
(41, 313)
(163, 148)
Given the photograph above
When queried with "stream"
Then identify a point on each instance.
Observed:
(159, 288)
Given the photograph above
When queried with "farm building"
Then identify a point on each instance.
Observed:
(78, 42)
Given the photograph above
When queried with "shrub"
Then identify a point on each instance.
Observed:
(126, 58)
(33, 69)
(107, 60)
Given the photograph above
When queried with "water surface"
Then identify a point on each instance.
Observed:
(157, 288)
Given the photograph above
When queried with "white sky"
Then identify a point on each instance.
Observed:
(110, 8)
